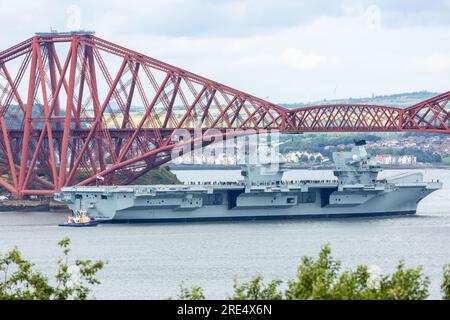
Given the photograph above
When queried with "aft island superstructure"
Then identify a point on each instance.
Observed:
(261, 194)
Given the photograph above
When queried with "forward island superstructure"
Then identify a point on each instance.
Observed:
(261, 194)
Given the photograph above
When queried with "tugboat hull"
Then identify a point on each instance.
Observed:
(79, 225)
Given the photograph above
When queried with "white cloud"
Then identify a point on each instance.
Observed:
(297, 59)
(235, 10)
(435, 62)
(289, 50)
(256, 61)
(372, 16)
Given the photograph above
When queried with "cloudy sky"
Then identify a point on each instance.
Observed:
(281, 50)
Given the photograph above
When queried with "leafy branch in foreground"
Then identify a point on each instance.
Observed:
(255, 289)
(322, 279)
(445, 286)
(20, 281)
(195, 293)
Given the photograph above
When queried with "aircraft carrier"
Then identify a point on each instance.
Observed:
(261, 194)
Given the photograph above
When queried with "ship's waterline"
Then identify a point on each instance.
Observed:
(262, 193)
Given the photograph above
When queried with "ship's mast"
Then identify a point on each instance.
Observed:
(356, 166)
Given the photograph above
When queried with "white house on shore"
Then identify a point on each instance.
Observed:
(389, 159)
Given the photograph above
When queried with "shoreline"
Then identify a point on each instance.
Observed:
(31, 205)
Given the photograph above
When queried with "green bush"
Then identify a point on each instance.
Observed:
(160, 175)
(255, 289)
(322, 279)
(315, 278)
(195, 293)
(445, 286)
(22, 282)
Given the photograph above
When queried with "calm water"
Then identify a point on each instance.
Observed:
(151, 261)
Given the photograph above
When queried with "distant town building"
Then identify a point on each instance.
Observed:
(388, 159)
(304, 156)
(219, 159)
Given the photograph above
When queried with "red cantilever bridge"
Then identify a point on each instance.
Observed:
(68, 113)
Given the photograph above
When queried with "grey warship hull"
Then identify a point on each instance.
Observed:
(262, 194)
(235, 202)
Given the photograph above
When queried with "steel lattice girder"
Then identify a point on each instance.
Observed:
(74, 106)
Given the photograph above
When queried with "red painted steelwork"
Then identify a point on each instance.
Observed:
(69, 111)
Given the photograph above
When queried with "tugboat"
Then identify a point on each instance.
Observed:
(79, 218)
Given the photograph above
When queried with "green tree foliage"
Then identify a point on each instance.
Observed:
(160, 175)
(405, 284)
(304, 158)
(322, 279)
(445, 286)
(421, 155)
(20, 281)
(315, 278)
(316, 142)
(255, 289)
(194, 293)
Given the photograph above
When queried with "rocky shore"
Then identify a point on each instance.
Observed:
(32, 205)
